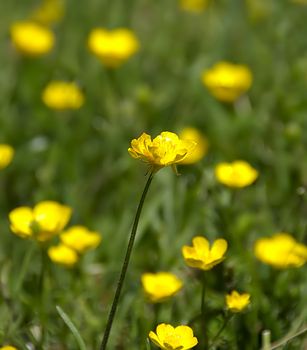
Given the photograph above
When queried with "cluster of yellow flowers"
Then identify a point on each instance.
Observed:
(48, 219)
(182, 337)
(160, 286)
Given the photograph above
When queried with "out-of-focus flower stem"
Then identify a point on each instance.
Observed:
(215, 338)
(125, 265)
(203, 312)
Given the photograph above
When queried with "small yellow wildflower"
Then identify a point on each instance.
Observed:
(49, 12)
(6, 155)
(195, 6)
(32, 39)
(201, 148)
(201, 256)
(8, 347)
(237, 302)
(236, 174)
(113, 47)
(80, 238)
(227, 81)
(281, 251)
(46, 219)
(165, 149)
(61, 95)
(169, 338)
(63, 255)
(160, 286)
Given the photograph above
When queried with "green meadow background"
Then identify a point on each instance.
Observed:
(80, 158)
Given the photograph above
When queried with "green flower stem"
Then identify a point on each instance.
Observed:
(203, 323)
(215, 338)
(125, 265)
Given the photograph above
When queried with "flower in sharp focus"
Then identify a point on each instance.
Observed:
(227, 81)
(49, 12)
(165, 149)
(63, 255)
(62, 95)
(201, 148)
(195, 6)
(281, 251)
(113, 47)
(237, 302)
(236, 174)
(201, 255)
(169, 338)
(160, 286)
(46, 219)
(6, 155)
(31, 38)
(80, 238)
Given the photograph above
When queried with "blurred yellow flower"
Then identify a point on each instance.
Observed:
(46, 219)
(227, 81)
(160, 286)
(236, 174)
(201, 148)
(6, 155)
(201, 256)
(62, 95)
(49, 11)
(8, 347)
(63, 255)
(32, 39)
(80, 238)
(169, 338)
(193, 5)
(237, 302)
(113, 47)
(281, 251)
(165, 149)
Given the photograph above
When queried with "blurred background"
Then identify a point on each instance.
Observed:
(79, 157)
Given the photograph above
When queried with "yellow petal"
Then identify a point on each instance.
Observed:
(21, 219)
(219, 248)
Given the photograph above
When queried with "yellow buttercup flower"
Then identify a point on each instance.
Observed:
(113, 47)
(49, 11)
(201, 148)
(169, 338)
(80, 238)
(63, 255)
(46, 219)
(165, 149)
(227, 81)
(236, 174)
(193, 5)
(201, 256)
(6, 155)
(31, 38)
(237, 302)
(62, 95)
(8, 347)
(160, 286)
(281, 251)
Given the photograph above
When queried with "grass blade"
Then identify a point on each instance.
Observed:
(72, 327)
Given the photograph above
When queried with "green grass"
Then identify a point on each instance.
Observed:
(80, 159)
